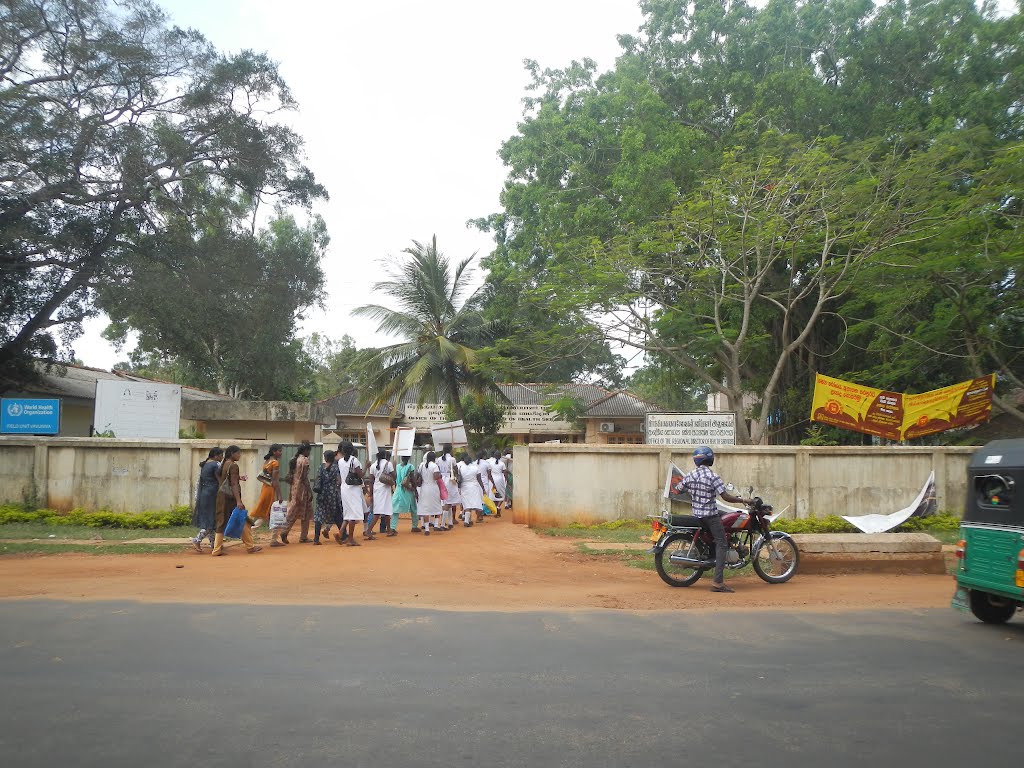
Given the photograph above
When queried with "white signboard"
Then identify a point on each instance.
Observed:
(691, 428)
(405, 437)
(518, 418)
(137, 409)
(453, 433)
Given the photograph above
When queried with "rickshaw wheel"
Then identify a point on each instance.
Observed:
(991, 609)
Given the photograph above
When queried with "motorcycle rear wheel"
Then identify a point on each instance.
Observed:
(776, 561)
(676, 574)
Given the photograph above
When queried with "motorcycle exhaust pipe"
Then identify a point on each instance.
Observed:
(678, 558)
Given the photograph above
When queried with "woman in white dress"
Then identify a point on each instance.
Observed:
(351, 495)
(446, 465)
(383, 472)
(471, 489)
(499, 478)
(428, 505)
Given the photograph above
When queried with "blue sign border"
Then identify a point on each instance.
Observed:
(20, 416)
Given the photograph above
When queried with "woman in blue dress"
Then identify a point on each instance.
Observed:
(403, 499)
(204, 512)
(328, 499)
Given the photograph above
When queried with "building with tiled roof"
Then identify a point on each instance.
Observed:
(606, 417)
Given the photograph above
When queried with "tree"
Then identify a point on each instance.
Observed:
(105, 113)
(223, 303)
(442, 328)
(482, 416)
(744, 268)
(603, 164)
(337, 364)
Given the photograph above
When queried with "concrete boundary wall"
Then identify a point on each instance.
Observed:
(559, 484)
(66, 473)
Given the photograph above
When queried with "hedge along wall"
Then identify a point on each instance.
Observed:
(559, 484)
(107, 473)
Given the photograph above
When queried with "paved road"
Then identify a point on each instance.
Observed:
(123, 684)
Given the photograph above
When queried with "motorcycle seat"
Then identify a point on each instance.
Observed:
(685, 521)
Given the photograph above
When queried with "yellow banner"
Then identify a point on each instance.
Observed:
(896, 416)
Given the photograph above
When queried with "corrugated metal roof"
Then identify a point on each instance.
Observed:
(349, 403)
(598, 402)
(79, 381)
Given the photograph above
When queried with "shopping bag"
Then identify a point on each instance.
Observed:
(278, 515)
(233, 530)
(489, 506)
(442, 489)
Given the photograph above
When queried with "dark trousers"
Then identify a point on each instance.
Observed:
(714, 524)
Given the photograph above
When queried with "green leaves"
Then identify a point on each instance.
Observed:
(441, 326)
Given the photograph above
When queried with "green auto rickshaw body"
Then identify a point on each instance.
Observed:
(989, 575)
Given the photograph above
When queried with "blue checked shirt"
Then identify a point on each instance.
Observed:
(704, 486)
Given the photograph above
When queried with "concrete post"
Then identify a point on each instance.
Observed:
(521, 493)
(41, 474)
(802, 482)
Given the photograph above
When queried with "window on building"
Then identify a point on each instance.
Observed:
(626, 439)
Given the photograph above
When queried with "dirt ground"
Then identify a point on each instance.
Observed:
(493, 566)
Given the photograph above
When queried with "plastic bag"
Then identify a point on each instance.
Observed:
(233, 530)
(278, 515)
(489, 507)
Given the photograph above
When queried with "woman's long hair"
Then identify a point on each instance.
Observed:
(273, 448)
(212, 455)
(347, 449)
(303, 450)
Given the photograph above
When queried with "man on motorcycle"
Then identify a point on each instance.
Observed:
(705, 486)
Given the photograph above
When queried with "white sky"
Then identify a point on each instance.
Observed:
(403, 106)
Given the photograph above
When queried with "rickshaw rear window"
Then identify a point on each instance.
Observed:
(994, 491)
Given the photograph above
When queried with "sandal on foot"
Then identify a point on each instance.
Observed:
(721, 588)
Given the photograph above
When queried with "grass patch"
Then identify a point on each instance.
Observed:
(944, 527)
(71, 532)
(37, 547)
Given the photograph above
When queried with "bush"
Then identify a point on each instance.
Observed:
(101, 519)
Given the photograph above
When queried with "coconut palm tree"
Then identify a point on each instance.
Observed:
(441, 331)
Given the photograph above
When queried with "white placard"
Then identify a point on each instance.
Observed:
(454, 432)
(371, 442)
(690, 428)
(405, 438)
(137, 409)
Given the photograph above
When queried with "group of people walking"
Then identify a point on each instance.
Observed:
(440, 493)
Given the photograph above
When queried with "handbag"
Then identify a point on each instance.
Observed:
(265, 477)
(352, 478)
(407, 482)
(442, 488)
(278, 515)
(318, 484)
(236, 523)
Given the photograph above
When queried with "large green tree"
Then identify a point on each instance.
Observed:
(223, 303)
(439, 321)
(610, 172)
(105, 112)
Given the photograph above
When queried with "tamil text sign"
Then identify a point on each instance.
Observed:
(691, 428)
(28, 416)
(518, 418)
(898, 416)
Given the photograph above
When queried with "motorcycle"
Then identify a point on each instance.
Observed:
(684, 548)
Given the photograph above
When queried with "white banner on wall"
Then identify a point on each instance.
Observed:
(518, 418)
(137, 409)
(691, 428)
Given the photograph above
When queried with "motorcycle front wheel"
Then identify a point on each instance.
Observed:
(680, 574)
(776, 560)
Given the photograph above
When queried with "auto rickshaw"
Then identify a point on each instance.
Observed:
(990, 553)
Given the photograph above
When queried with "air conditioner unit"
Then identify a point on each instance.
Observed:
(607, 426)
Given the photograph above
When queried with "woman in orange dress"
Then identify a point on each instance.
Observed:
(269, 492)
